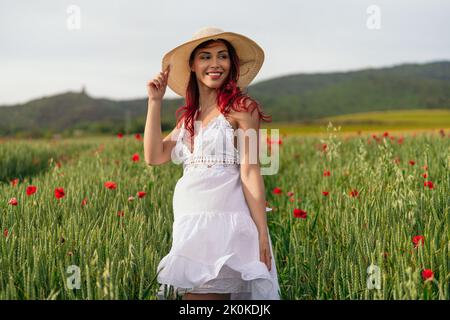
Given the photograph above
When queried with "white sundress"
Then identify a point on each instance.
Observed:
(215, 247)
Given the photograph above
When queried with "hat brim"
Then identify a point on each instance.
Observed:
(251, 59)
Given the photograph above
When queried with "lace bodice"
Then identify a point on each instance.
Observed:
(213, 146)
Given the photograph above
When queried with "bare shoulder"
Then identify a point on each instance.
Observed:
(247, 118)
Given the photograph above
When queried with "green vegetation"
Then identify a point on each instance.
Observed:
(301, 98)
(117, 242)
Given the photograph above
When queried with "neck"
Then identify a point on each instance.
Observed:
(208, 99)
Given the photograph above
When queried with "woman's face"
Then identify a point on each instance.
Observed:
(212, 65)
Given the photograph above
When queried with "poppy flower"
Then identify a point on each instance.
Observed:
(14, 182)
(13, 202)
(59, 193)
(135, 157)
(141, 194)
(428, 184)
(276, 191)
(425, 175)
(290, 194)
(110, 185)
(326, 173)
(386, 134)
(417, 240)
(427, 274)
(425, 167)
(31, 190)
(411, 162)
(83, 202)
(5, 232)
(324, 147)
(325, 193)
(299, 213)
(400, 140)
(120, 135)
(354, 193)
(138, 136)
(120, 213)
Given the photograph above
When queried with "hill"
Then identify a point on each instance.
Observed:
(293, 98)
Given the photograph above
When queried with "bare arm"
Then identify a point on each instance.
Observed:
(153, 142)
(253, 183)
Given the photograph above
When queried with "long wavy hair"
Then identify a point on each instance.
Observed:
(229, 95)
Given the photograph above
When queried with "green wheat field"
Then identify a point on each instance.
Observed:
(378, 200)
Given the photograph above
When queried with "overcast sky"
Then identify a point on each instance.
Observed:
(120, 44)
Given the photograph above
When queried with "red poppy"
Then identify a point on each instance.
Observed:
(428, 184)
(385, 134)
(83, 202)
(5, 232)
(326, 173)
(425, 167)
(290, 194)
(110, 185)
(411, 162)
(425, 175)
(141, 194)
(135, 157)
(138, 136)
(14, 182)
(120, 213)
(324, 147)
(417, 240)
(276, 191)
(120, 135)
(325, 193)
(299, 213)
(13, 202)
(400, 140)
(427, 274)
(59, 193)
(31, 190)
(354, 193)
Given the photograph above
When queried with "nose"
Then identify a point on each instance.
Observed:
(215, 61)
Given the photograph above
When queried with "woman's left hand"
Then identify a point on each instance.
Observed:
(264, 251)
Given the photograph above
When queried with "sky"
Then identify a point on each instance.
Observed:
(114, 47)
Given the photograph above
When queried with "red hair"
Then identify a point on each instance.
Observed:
(229, 95)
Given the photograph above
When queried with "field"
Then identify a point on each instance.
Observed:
(99, 213)
(372, 122)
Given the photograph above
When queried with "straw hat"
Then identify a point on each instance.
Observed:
(251, 58)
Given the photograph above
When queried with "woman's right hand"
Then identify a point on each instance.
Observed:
(157, 87)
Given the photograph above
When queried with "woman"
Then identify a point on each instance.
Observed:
(221, 245)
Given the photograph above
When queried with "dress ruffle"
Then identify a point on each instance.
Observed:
(211, 246)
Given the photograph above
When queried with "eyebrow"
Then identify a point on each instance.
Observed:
(210, 52)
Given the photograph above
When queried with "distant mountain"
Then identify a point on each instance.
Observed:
(293, 98)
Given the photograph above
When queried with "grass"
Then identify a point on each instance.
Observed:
(324, 256)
